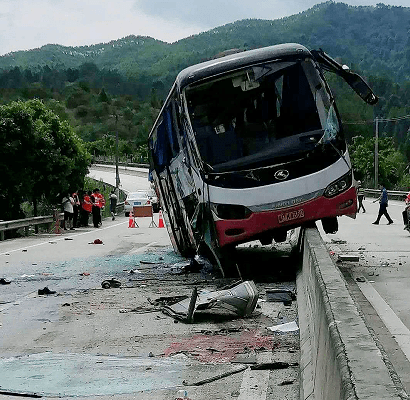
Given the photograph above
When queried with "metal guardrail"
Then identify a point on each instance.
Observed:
(51, 220)
(27, 222)
(393, 194)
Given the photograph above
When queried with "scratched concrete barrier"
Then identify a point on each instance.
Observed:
(339, 358)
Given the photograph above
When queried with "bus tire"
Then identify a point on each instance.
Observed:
(330, 224)
(279, 235)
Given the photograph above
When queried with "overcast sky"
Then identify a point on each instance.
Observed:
(28, 24)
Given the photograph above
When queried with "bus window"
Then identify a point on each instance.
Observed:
(165, 139)
(253, 114)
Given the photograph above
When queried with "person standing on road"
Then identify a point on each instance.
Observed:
(383, 200)
(86, 208)
(68, 203)
(360, 196)
(113, 203)
(76, 209)
(98, 204)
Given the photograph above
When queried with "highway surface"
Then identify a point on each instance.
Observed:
(95, 343)
(131, 178)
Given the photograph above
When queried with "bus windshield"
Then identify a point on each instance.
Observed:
(259, 114)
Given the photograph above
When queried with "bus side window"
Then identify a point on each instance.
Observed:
(177, 126)
(172, 134)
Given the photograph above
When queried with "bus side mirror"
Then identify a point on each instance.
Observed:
(357, 83)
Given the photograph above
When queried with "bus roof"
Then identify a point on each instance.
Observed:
(238, 60)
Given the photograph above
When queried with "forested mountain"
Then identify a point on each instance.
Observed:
(375, 39)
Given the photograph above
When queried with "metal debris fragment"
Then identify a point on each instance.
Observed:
(240, 299)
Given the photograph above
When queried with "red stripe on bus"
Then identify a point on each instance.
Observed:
(242, 230)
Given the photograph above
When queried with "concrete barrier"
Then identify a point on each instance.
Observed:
(339, 358)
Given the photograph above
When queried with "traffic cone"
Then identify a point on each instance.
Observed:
(160, 221)
(131, 221)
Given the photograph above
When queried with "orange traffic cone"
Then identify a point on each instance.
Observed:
(160, 221)
(131, 221)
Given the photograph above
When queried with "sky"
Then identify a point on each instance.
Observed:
(29, 24)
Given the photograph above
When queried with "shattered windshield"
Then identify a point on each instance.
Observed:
(255, 115)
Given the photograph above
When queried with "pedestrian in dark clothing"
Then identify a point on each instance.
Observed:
(383, 200)
(76, 209)
(113, 204)
(360, 196)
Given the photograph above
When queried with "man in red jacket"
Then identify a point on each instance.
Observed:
(98, 203)
(86, 208)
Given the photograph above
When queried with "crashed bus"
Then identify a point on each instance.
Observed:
(249, 146)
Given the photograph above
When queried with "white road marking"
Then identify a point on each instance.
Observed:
(392, 322)
(57, 239)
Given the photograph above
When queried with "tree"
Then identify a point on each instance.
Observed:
(41, 158)
(391, 163)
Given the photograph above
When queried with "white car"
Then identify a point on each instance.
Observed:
(136, 199)
(154, 200)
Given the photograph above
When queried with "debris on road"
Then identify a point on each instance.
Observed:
(166, 301)
(4, 282)
(335, 241)
(287, 327)
(273, 365)
(347, 257)
(216, 377)
(46, 291)
(280, 295)
(96, 241)
(110, 283)
(287, 382)
(240, 299)
(134, 271)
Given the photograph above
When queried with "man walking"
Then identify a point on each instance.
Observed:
(383, 200)
(113, 204)
(360, 196)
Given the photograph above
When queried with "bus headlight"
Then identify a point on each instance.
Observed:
(230, 211)
(339, 186)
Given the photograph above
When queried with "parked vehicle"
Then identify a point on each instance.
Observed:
(249, 146)
(136, 199)
(154, 200)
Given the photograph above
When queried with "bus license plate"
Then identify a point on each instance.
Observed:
(291, 215)
(137, 203)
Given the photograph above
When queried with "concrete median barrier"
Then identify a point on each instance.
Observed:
(339, 358)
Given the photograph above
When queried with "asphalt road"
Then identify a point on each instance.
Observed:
(131, 178)
(96, 343)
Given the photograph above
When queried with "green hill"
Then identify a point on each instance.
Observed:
(373, 39)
